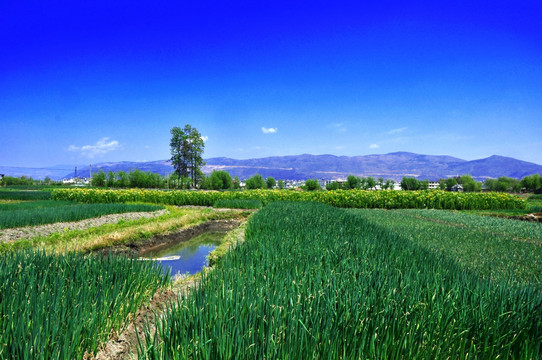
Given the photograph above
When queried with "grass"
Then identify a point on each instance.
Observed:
(39, 213)
(312, 281)
(63, 306)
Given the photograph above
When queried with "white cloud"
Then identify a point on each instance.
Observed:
(398, 130)
(338, 127)
(102, 147)
(374, 146)
(204, 138)
(269, 130)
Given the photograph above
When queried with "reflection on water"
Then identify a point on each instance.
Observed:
(188, 256)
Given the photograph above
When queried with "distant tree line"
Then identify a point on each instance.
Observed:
(222, 180)
(133, 179)
(26, 181)
(355, 182)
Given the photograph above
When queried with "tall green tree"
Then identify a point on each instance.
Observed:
(186, 147)
(98, 179)
(218, 180)
(256, 182)
(271, 182)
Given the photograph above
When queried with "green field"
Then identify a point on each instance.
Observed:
(493, 247)
(316, 282)
(382, 199)
(61, 306)
(24, 195)
(48, 212)
(310, 281)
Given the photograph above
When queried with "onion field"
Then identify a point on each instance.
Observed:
(63, 306)
(48, 212)
(316, 282)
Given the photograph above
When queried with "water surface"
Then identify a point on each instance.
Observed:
(187, 257)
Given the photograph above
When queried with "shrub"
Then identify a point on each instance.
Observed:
(312, 185)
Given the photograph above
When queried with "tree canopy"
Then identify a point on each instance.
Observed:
(186, 148)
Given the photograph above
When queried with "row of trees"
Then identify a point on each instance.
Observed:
(133, 179)
(355, 182)
(221, 180)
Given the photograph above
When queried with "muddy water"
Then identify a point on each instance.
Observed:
(186, 256)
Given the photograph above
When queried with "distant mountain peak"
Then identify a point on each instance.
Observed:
(393, 166)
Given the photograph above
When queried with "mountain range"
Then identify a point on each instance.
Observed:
(300, 167)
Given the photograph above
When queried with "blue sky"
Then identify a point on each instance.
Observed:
(106, 81)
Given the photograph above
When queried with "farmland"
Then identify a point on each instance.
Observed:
(310, 280)
(387, 199)
(38, 213)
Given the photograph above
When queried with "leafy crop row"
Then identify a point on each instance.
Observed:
(507, 249)
(60, 306)
(25, 195)
(16, 215)
(316, 282)
(339, 198)
(238, 204)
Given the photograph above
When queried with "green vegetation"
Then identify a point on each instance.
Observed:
(61, 306)
(312, 281)
(312, 185)
(503, 184)
(255, 182)
(186, 148)
(17, 215)
(33, 205)
(131, 232)
(506, 249)
(24, 195)
(271, 182)
(133, 179)
(238, 204)
(218, 180)
(410, 183)
(341, 198)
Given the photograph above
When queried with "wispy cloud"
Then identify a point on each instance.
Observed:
(204, 138)
(398, 130)
(374, 146)
(269, 130)
(338, 127)
(102, 147)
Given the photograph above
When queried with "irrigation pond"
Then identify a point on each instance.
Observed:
(185, 257)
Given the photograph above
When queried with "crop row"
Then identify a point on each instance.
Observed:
(339, 198)
(27, 214)
(24, 195)
(512, 249)
(316, 282)
(61, 306)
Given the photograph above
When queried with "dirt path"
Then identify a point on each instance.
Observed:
(11, 235)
